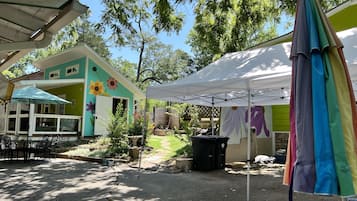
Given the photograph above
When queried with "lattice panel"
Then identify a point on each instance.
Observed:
(205, 112)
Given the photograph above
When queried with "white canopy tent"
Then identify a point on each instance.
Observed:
(259, 76)
(228, 79)
(265, 72)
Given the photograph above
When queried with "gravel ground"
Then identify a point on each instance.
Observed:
(63, 179)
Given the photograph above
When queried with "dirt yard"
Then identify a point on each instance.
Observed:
(62, 179)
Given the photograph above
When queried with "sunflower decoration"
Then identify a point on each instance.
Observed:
(96, 88)
(112, 83)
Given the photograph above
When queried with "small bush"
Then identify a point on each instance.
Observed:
(103, 140)
(136, 128)
(118, 128)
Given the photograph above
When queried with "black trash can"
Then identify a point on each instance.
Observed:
(209, 152)
(221, 146)
(280, 156)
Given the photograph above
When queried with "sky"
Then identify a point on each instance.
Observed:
(176, 41)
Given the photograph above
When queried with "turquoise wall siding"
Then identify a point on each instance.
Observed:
(62, 69)
(100, 78)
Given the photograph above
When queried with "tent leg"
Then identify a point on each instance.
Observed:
(212, 116)
(144, 130)
(248, 145)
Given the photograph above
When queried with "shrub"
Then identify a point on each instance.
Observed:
(136, 128)
(118, 128)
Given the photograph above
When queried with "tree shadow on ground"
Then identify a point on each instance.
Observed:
(59, 179)
(52, 179)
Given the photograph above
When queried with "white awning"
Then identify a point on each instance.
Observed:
(30, 24)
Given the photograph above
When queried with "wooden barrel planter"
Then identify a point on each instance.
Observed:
(134, 152)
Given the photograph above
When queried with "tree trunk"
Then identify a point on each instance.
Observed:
(142, 47)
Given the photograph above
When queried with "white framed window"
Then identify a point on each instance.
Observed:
(2, 118)
(45, 108)
(54, 75)
(2, 110)
(72, 70)
(12, 108)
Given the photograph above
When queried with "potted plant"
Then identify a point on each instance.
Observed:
(135, 132)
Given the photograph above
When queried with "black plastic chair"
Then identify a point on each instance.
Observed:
(22, 149)
(8, 147)
(2, 147)
(43, 148)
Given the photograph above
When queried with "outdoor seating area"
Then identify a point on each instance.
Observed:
(15, 149)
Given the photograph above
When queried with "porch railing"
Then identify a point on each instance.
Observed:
(44, 124)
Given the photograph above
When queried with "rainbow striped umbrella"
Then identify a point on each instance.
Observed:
(322, 155)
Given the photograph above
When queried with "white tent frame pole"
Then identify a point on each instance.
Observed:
(248, 144)
(144, 130)
(32, 123)
(212, 116)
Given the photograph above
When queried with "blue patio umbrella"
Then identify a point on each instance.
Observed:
(33, 95)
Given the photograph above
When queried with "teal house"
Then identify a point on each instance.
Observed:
(89, 82)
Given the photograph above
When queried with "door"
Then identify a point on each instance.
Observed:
(103, 111)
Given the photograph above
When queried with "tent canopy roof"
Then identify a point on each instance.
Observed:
(266, 72)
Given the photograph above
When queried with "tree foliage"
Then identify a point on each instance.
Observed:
(228, 26)
(78, 31)
(162, 64)
(125, 67)
(132, 24)
(290, 5)
(19, 68)
(81, 30)
(125, 17)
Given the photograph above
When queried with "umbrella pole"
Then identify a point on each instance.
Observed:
(248, 145)
(212, 116)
